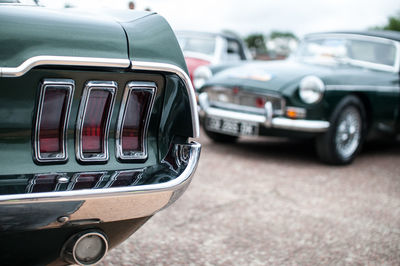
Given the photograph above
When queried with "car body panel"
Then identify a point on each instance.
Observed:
(33, 31)
(42, 44)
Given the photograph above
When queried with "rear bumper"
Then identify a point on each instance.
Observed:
(311, 126)
(55, 209)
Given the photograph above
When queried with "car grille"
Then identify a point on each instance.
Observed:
(239, 100)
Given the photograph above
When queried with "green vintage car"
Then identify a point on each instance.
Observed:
(96, 115)
(339, 88)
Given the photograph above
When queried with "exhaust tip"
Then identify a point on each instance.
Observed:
(85, 248)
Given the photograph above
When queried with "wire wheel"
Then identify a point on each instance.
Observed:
(348, 132)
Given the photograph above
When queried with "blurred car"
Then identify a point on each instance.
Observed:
(338, 88)
(95, 121)
(203, 48)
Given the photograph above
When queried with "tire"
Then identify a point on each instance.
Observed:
(222, 138)
(345, 137)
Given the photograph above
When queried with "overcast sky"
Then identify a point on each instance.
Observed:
(258, 16)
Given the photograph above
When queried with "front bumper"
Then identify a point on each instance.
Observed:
(55, 209)
(311, 126)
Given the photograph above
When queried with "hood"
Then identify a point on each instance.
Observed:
(28, 31)
(267, 75)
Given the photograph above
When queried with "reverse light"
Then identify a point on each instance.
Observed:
(94, 121)
(133, 121)
(52, 120)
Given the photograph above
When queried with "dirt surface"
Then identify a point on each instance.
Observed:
(265, 201)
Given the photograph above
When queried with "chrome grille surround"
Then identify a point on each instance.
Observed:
(240, 100)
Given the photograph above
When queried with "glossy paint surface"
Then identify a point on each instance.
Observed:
(28, 31)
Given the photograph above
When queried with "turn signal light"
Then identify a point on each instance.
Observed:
(133, 121)
(94, 121)
(52, 120)
(295, 112)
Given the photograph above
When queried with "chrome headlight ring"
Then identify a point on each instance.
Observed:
(311, 89)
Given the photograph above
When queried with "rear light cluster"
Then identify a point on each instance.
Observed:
(89, 180)
(93, 122)
(52, 120)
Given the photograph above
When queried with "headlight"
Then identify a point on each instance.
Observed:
(200, 76)
(311, 89)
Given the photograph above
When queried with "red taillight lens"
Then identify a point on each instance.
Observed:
(86, 181)
(260, 102)
(126, 178)
(134, 120)
(94, 120)
(52, 120)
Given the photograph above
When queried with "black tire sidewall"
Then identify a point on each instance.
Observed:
(329, 153)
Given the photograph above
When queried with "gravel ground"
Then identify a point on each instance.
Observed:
(266, 201)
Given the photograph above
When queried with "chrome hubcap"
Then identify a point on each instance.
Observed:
(348, 132)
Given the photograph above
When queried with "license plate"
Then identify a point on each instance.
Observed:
(231, 126)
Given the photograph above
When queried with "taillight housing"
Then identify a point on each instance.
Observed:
(50, 137)
(133, 120)
(93, 121)
(46, 182)
(125, 178)
(86, 180)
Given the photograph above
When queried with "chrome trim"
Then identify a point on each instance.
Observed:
(75, 177)
(69, 85)
(313, 126)
(110, 86)
(140, 86)
(393, 68)
(269, 112)
(63, 61)
(365, 88)
(105, 204)
(300, 124)
(163, 67)
(68, 251)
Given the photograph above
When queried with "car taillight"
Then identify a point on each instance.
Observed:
(46, 182)
(125, 178)
(52, 120)
(260, 102)
(94, 121)
(133, 120)
(86, 180)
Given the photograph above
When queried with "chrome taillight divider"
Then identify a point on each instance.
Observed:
(91, 86)
(141, 152)
(53, 84)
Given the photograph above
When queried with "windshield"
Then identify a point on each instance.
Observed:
(367, 52)
(199, 44)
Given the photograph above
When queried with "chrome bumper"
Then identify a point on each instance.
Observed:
(312, 126)
(55, 209)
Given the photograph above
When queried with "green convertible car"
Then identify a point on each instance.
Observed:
(338, 88)
(96, 115)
